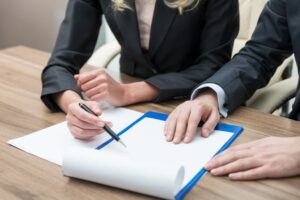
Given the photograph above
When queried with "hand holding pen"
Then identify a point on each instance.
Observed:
(83, 125)
(105, 127)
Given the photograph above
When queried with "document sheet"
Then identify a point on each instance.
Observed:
(51, 143)
(149, 165)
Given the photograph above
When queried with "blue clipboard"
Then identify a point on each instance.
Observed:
(236, 130)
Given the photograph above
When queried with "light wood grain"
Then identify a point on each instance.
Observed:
(23, 176)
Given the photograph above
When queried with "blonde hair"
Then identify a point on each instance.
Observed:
(181, 5)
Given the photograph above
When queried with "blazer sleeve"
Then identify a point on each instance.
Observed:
(75, 44)
(255, 64)
(217, 38)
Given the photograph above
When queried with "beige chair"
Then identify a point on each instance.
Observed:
(280, 88)
(266, 99)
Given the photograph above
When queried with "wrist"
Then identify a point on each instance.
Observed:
(138, 92)
(126, 96)
(208, 95)
(65, 98)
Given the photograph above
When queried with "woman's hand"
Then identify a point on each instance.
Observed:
(82, 124)
(98, 85)
(271, 157)
(182, 123)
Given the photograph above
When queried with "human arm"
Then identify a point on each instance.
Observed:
(72, 49)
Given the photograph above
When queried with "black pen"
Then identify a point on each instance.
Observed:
(106, 128)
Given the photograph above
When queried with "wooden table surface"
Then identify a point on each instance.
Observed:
(23, 176)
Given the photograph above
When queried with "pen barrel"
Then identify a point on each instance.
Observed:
(111, 132)
(106, 128)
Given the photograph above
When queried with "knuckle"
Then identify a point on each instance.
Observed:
(104, 86)
(100, 71)
(103, 77)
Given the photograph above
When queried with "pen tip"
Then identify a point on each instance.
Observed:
(121, 142)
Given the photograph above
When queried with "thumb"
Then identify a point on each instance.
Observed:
(76, 76)
(210, 124)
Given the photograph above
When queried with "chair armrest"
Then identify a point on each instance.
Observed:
(271, 98)
(105, 54)
(278, 76)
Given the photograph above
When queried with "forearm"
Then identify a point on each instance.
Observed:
(139, 92)
(65, 98)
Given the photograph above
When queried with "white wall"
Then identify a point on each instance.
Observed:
(33, 23)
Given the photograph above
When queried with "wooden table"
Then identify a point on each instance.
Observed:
(23, 176)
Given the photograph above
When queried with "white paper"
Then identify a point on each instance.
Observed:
(145, 142)
(141, 175)
(51, 143)
(148, 165)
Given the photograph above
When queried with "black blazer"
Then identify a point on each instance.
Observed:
(184, 49)
(276, 37)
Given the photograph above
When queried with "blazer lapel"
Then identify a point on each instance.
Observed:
(162, 20)
(128, 26)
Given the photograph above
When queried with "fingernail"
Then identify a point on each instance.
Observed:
(214, 171)
(205, 132)
(186, 139)
(176, 141)
(169, 138)
(233, 176)
(207, 166)
(101, 124)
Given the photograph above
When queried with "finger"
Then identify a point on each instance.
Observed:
(244, 146)
(84, 134)
(73, 120)
(110, 124)
(194, 120)
(85, 116)
(167, 123)
(87, 76)
(76, 76)
(99, 97)
(93, 83)
(95, 106)
(211, 123)
(89, 85)
(96, 90)
(181, 125)
(252, 174)
(171, 126)
(226, 157)
(236, 166)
